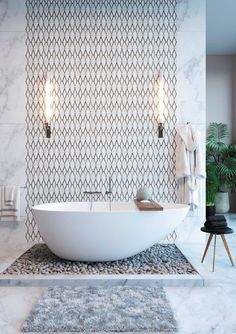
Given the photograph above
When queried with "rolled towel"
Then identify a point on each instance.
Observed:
(216, 218)
(216, 224)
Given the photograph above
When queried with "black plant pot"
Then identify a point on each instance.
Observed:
(210, 210)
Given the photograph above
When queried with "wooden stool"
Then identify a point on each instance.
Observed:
(215, 232)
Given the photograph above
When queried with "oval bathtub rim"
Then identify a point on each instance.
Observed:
(50, 207)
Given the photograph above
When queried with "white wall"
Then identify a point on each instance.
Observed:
(220, 91)
(12, 94)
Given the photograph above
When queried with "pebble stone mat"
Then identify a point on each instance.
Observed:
(158, 259)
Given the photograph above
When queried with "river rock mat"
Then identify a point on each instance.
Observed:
(159, 259)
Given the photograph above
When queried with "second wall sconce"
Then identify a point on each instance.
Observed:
(161, 106)
(48, 111)
(159, 103)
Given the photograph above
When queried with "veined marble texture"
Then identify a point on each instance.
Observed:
(191, 15)
(12, 79)
(15, 305)
(191, 53)
(191, 72)
(12, 154)
(12, 15)
(12, 97)
(191, 77)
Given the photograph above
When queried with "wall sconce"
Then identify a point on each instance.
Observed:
(159, 103)
(161, 106)
(48, 112)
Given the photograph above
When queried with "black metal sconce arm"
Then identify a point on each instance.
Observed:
(160, 130)
(47, 130)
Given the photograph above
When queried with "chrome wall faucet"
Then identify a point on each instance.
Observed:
(107, 192)
(92, 192)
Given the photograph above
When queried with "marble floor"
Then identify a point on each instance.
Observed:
(208, 309)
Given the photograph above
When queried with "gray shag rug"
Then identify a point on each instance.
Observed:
(158, 259)
(114, 309)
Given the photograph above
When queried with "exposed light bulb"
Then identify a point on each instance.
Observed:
(48, 100)
(48, 112)
(161, 99)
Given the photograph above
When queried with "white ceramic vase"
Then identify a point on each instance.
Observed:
(144, 194)
(222, 202)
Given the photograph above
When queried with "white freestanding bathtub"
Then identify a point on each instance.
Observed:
(104, 231)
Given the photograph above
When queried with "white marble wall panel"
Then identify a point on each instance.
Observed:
(12, 95)
(191, 77)
(191, 15)
(12, 15)
(191, 71)
(12, 79)
(12, 154)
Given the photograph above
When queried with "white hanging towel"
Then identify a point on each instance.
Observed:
(9, 203)
(189, 165)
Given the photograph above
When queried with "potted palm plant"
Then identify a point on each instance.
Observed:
(220, 165)
(212, 186)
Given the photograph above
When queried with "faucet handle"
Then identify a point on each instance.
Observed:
(109, 191)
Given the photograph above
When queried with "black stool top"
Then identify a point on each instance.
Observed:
(222, 230)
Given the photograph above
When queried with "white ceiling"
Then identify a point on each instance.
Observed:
(221, 27)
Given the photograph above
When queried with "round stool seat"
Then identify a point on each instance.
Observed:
(223, 230)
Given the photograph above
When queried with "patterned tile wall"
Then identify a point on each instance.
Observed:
(104, 57)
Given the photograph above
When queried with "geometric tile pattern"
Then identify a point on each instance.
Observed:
(104, 57)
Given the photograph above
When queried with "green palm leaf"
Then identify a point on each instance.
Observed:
(212, 182)
(227, 168)
(217, 132)
(220, 158)
(218, 147)
(232, 149)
